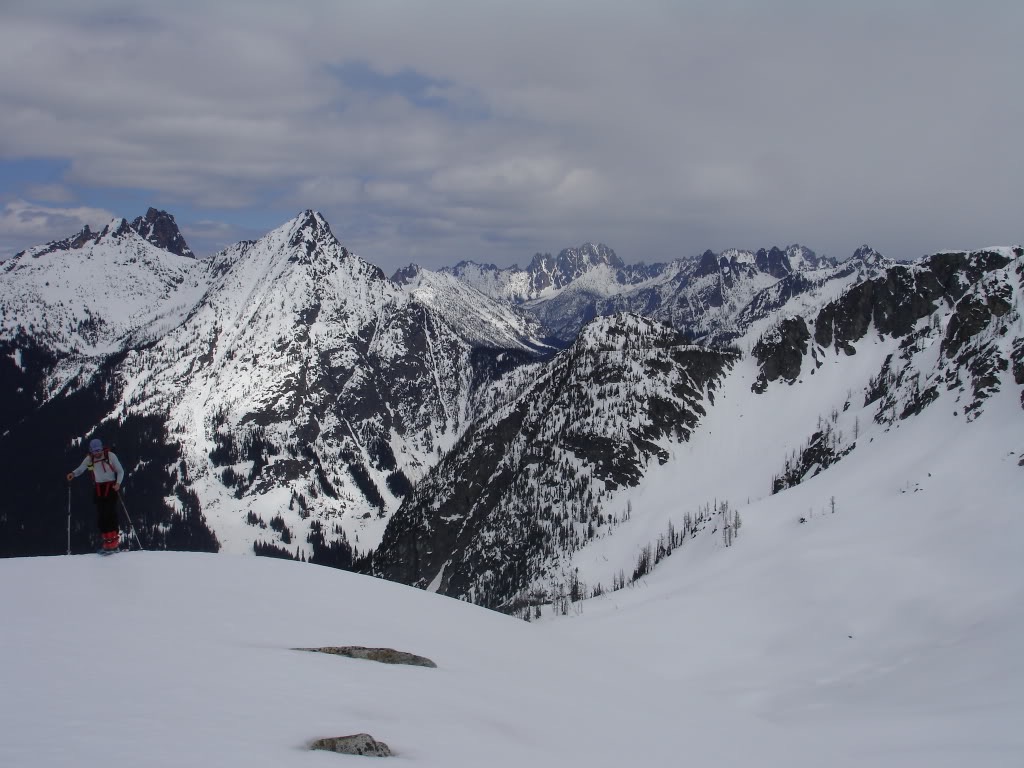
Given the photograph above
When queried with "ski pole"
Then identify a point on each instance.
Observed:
(131, 525)
(69, 518)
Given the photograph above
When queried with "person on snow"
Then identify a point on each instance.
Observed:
(108, 475)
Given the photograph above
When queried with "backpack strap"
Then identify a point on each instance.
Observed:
(104, 460)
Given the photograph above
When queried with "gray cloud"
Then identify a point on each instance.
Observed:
(661, 128)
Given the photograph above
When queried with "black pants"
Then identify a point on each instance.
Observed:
(106, 509)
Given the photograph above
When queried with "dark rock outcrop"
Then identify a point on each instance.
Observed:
(160, 229)
(773, 262)
(1018, 361)
(780, 352)
(822, 450)
(406, 275)
(358, 744)
(383, 655)
(973, 314)
(708, 264)
(905, 294)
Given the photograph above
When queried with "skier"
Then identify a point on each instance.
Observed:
(108, 475)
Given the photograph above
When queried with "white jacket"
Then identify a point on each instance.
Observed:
(106, 470)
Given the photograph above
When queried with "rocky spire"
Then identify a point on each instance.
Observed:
(159, 228)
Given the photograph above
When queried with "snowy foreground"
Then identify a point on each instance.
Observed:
(890, 633)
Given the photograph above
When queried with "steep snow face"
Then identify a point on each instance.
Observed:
(111, 292)
(297, 290)
(511, 284)
(479, 319)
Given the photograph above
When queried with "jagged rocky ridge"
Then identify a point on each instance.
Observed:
(713, 298)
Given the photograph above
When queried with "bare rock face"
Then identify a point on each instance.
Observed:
(781, 352)
(383, 655)
(358, 744)
(159, 228)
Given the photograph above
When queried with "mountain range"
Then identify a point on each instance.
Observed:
(490, 434)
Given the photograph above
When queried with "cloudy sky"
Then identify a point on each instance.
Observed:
(430, 132)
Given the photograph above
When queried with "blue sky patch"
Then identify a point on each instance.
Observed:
(18, 174)
(419, 90)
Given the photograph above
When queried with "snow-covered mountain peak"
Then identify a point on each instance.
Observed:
(549, 273)
(324, 388)
(802, 258)
(298, 272)
(306, 238)
(588, 254)
(302, 252)
(871, 257)
(310, 227)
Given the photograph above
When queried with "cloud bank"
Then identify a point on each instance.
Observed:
(434, 132)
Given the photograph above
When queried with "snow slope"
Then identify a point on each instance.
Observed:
(885, 633)
(481, 320)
